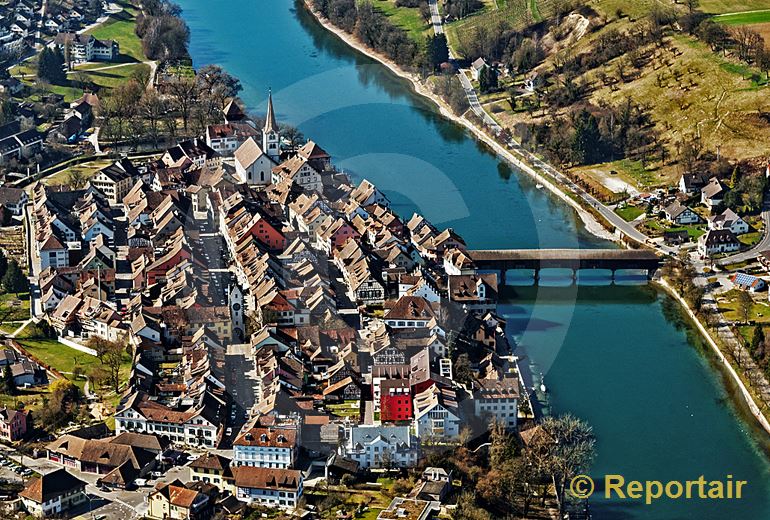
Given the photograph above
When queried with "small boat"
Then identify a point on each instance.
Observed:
(539, 186)
(543, 388)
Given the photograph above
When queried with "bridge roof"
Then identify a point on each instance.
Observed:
(562, 254)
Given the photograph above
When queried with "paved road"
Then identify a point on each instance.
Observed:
(627, 228)
(473, 100)
(762, 245)
(435, 17)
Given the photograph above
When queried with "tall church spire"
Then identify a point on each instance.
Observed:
(271, 138)
(270, 124)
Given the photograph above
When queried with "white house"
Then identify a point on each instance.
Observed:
(713, 193)
(476, 67)
(717, 241)
(380, 446)
(728, 219)
(266, 448)
(497, 399)
(436, 413)
(682, 215)
(196, 425)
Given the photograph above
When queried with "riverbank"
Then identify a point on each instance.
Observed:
(592, 224)
(724, 363)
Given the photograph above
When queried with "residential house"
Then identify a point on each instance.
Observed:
(53, 494)
(728, 219)
(115, 181)
(281, 488)
(436, 412)
(226, 138)
(497, 399)
(211, 468)
(84, 47)
(120, 463)
(176, 501)
(195, 423)
(681, 215)
(717, 241)
(266, 448)
(474, 292)
(380, 446)
(13, 200)
(401, 508)
(299, 171)
(13, 424)
(713, 193)
(478, 65)
(410, 312)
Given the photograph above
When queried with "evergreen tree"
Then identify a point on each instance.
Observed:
(14, 280)
(487, 79)
(9, 385)
(438, 50)
(586, 141)
(50, 66)
(43, 64)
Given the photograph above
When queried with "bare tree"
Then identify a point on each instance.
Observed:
(184, 92)
(152, 108)
(745, 303)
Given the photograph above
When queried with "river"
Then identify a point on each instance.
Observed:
(616, 356)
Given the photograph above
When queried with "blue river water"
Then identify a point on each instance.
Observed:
(618, 357)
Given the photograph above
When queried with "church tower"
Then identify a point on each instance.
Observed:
(235, 297)
(271, 138)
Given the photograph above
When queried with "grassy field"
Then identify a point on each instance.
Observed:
(744, 18)
(65, 359)
(407, 18)
(87, 170)
(32, 398)
(694, 231)
(689, 90)
(731, 6)
(112, 76)
(105, 75)
(346, 409)
(120, 27)
(14, 308)
(629, 213)
(750, 239)
(760, 311)
(60, 357)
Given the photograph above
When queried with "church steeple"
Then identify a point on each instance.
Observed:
(270, 136)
